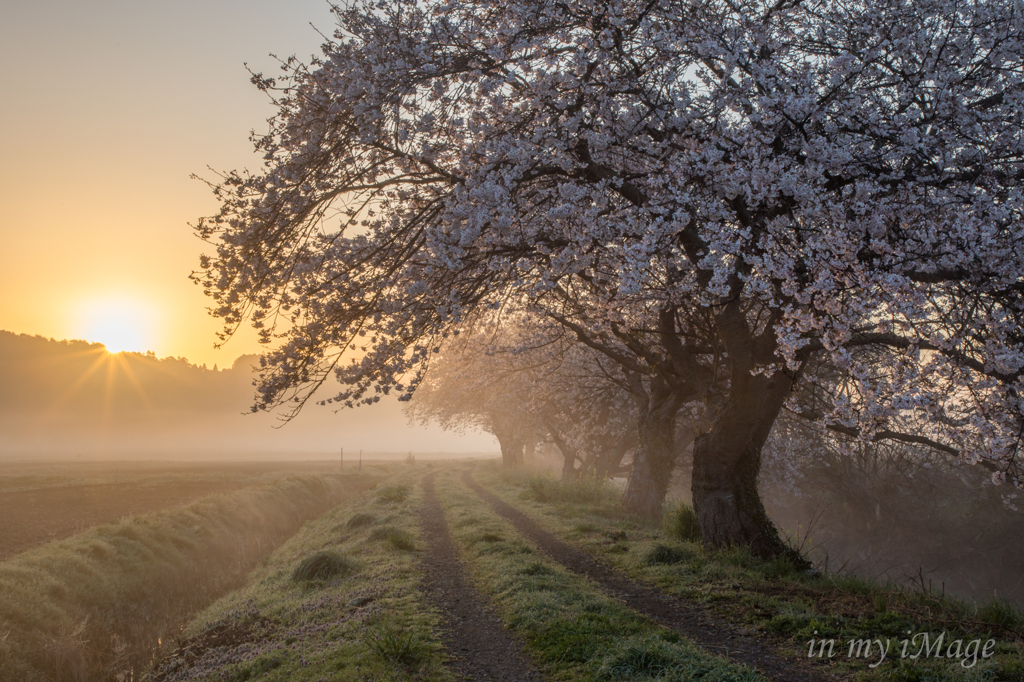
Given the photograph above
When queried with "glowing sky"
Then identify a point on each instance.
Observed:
(109, 106)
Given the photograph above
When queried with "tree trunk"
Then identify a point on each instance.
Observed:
(655, 455)
(610, 460)
(511, 449)
(569, 471)
(726, 465)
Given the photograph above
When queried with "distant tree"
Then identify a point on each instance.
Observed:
(525, 384)
(579, 397)
(734, 192)
(472, 385)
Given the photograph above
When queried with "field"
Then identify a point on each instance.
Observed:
(101, 603)
(42, 502)
(431, 571)
(463, 571)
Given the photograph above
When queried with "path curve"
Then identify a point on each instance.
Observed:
(473, 633)
(686, 617)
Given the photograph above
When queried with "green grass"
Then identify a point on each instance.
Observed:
(93, 606)
(773, 598)
(323, 566)
(367, 621)
(570, 628)
(586, 492)
(393, 494)
(397, 538)
(652, 658)
(665, 554)
(681, 523)
(405, 647)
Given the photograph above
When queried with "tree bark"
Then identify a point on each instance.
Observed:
(511, 449)
(610, 460)
(727, 460)
(569, 455)
(655, 454)
(569, 471)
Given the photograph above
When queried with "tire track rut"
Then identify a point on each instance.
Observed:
(686, 617)
(473, 633)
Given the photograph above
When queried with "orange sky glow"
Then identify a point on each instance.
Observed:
(110, 107)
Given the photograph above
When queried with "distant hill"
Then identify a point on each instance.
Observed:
(72, 397)
(84, 379)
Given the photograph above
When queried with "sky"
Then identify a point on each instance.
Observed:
(109, 108)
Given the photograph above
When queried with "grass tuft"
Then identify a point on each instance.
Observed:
(536, 568)
(403, 646)
(396, 537)
(782, 566)
(652, 658)
(323, 566)
(639, 658)
(663, 554)
(361, 520)
(681, 523)
(393, 494)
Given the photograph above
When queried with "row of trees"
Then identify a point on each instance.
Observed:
(530, 386)
(732, 209)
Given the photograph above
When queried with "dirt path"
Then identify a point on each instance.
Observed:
(686, 617)
(472, 633)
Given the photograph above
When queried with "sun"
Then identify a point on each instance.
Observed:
(119, 323)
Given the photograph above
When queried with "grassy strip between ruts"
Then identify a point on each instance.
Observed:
(770, 599)
(338, 601)
(571, 629)
(95, 606)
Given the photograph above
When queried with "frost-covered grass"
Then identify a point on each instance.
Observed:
(340, 601)
(770, 598)
(570, 628)
(95, 605)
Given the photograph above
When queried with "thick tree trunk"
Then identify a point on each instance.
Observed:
(654, 457)
(511, 449)
(726, 465)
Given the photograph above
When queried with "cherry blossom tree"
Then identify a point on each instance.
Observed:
(583, 400)
(527, 383)
(736, 193)
(473, 385)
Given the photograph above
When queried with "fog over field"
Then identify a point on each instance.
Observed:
(541, 341)
(69, 399)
